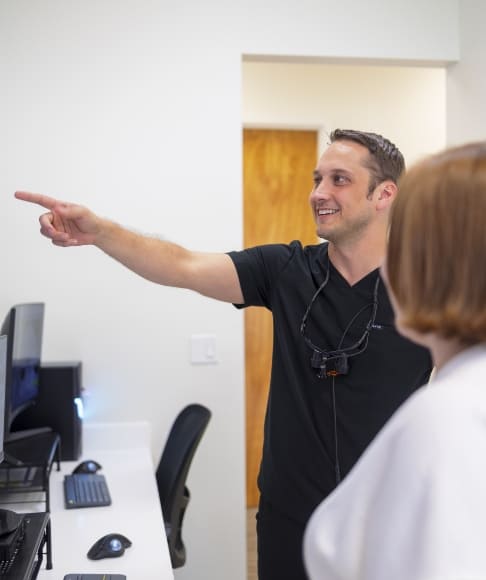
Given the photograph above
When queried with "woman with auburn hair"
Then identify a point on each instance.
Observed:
(414, 506)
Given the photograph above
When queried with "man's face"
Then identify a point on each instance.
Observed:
(340, 199)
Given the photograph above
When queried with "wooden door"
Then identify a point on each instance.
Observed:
(277, 179)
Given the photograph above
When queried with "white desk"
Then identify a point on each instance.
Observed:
(123, 452)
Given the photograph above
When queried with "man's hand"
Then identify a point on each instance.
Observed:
(66, 224)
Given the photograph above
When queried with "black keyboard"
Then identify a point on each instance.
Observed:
(95, 577)
(85, 490)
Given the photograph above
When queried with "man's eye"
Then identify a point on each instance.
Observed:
(317, 179)
(340, 180)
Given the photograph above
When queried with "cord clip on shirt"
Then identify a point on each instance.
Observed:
(320, 361)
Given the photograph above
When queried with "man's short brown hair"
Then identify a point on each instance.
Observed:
(385, 160)
(436, 259)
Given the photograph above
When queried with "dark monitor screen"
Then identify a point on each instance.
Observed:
(23, 326)
(3, 375)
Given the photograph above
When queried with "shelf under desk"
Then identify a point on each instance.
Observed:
(29, 557)
(34, 459)
(34, 454)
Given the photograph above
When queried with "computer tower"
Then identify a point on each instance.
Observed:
(58, 406)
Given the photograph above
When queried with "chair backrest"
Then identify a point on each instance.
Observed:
(172, 470)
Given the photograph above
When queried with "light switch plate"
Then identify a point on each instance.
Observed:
(203, 349)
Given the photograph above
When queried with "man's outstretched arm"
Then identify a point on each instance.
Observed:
(166, 263)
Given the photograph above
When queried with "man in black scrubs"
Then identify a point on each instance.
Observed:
(339, 368)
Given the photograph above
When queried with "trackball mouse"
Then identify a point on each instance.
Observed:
(88, 466)
(109, 546)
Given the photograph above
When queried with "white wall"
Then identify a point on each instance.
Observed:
(466, 80)
(372, 30)
(405, 104)
(133, 107)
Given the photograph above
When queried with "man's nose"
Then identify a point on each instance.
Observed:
(320, 191)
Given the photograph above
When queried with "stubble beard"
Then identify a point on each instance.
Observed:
(345, 234)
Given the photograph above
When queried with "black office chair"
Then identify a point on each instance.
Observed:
(171, 474)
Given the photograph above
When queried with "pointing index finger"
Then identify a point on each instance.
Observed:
(43, 200)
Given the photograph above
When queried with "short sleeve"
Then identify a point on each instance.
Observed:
(259, 269)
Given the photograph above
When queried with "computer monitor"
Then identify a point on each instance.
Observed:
(9, 521)
(23, 327)
(3, 375)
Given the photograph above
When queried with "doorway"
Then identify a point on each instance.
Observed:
(277, 178)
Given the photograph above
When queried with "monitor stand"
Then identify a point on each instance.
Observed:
(25, 433)
(12, 461)
(20, 441)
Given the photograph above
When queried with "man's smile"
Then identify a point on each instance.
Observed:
(324, 211)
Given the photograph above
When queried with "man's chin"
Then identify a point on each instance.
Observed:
(326, 235)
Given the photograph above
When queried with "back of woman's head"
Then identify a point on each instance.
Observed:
(436, 258)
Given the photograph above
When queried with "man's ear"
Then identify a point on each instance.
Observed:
(387, 191)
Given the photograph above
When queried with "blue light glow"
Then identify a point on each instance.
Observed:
(78, 401)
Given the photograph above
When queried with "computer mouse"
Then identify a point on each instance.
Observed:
(88, 466)
(109, 546)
